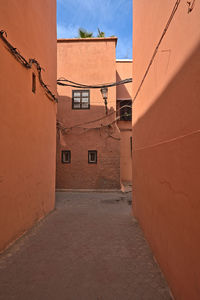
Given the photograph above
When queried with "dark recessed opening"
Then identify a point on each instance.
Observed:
(66, 157)
(131, 144)
(92, 157)
(33, 83)
(124, 108)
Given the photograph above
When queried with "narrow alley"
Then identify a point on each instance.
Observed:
(89, 248)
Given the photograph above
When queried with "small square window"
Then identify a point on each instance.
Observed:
(66, 157)
(92, 157)
(81, 99)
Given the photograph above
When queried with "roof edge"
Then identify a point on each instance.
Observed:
(124, 60)
(114, 38)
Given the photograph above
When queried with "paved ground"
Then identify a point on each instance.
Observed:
(89, 248)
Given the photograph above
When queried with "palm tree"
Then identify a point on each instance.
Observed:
(100, 33)
(84, 33)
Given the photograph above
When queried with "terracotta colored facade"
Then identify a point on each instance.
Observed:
(166, 143)
(88, 61)
(124, 95)
(28, 120)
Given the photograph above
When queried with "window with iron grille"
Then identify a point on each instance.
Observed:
(80, 99)
(92, 157)
(124, 108)
(66, 157)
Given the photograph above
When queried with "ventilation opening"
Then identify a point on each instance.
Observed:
(66, 157)
(33, 83)
(92, 156)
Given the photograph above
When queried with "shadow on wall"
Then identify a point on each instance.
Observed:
(122, 91)
(73, 116)
(102, 136)
(166, 178)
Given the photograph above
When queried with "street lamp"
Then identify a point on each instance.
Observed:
(104, 92)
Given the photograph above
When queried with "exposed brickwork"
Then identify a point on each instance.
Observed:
(79, 174)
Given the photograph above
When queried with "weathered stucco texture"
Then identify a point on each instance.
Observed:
(88, 61)
(28, 120)
(166, 143)
(124, 92)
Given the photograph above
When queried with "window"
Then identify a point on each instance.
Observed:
(66, 157)
(125, 113)
(80, 99)
(33, 83)
(92, 157)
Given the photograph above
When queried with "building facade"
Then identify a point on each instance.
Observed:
(88, 151)
(166, 142)
(28, 117)
(89, 140)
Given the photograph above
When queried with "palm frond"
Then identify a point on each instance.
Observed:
(84, 33)
(100, 33)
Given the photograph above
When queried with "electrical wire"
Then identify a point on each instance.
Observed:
(180, 137)
(28, 64)
(66, 131)
(65, 82)
(60, 126)
(157, 47)
(191, 5)
(96, 120)
(107, 126)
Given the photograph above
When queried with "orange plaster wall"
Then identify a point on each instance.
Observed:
(125, 152)
(124, 92)
(124, 70)
(166, 144)
(28, 120)
(88, 61)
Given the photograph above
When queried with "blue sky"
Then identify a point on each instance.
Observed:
(114, 17)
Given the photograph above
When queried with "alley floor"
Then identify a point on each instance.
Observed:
(89, 248)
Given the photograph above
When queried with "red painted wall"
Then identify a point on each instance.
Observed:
(28, 120)
(166, 164)
(88, 61)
